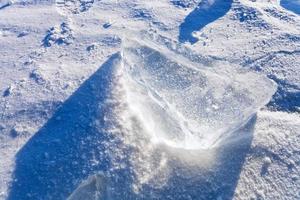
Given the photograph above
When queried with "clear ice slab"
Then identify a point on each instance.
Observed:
(188, 104)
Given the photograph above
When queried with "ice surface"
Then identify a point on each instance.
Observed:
(189, 105)
(92, 188)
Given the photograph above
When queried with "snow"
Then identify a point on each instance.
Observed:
(74, 122)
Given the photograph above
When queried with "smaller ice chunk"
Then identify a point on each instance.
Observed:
(95, 187)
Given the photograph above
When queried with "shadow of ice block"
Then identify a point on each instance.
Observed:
(71, 145)
(190, 105)
(292, 5)
(205, 13)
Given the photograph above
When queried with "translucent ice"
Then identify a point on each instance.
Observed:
(95, 187)
(187, 104)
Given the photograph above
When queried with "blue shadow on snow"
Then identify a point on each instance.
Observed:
(67, 149)
(206, 12)
(218, 181)
(292, 5)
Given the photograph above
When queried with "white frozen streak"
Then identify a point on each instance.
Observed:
(92, 188)
(189, 105)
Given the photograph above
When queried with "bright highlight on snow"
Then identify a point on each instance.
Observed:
(189, 105)
(181, 109)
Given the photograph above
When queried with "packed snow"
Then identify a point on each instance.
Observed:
(162, 99)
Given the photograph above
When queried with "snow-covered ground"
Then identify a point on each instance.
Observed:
(161, 99)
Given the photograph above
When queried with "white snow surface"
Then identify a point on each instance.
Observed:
(100, 100)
